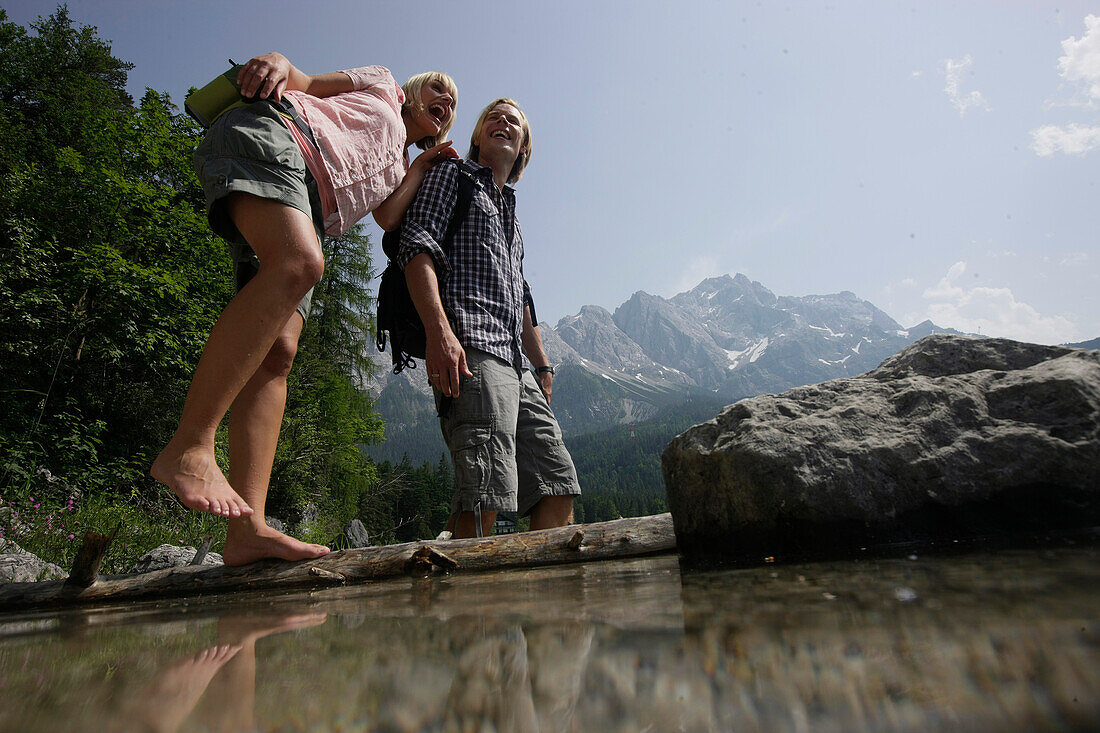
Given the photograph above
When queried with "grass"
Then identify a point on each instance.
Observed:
(53, 529)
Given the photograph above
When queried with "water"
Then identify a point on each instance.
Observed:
(997, 641)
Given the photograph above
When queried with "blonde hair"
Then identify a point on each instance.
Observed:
(413, 102)
(525, 149)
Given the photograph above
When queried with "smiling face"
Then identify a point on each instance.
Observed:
(437, 107)
(429, 109)
(502, 135)
(502, 132)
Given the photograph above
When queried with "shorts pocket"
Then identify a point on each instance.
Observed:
(554, 464)
(470, 453)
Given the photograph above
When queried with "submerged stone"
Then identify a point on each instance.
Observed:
(954, 437)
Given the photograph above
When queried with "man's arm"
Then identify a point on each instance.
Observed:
(272, 74)
(444, 357)
(532, 346)
(421, 256)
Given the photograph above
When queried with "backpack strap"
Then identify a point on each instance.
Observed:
(391, 241)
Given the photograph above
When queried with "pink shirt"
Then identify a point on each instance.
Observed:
(362, 143)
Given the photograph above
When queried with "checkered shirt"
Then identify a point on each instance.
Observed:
(481, 282)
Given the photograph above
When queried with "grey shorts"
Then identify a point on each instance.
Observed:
(250, 149)
(504, 440)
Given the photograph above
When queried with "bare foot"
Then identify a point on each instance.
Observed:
(167, 701)
(243, 630)
(193, 475)
(244, 546)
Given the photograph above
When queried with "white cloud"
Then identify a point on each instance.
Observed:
(1081, 63)
(1079, 66)
(1073, 139)
(962, 101)
(1072, 259)
(990, 312)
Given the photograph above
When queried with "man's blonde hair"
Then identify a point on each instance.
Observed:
(412, 101)
(525, 149)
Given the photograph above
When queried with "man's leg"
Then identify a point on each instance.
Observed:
(479, 429)
(254, 422)
(547, 477)
(286, 243)
(552, 511)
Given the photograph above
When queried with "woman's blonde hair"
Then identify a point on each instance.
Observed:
(412, 101)
(524, 150)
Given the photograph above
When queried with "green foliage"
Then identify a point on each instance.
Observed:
(409, 503)
(110, 288)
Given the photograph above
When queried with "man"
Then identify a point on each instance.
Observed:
(495, 416)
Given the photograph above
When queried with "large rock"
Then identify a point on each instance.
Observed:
(172, 556)
(954, 437)
(19, 566)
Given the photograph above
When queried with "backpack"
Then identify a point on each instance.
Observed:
(397, 314)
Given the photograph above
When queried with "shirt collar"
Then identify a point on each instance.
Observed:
(485, 171)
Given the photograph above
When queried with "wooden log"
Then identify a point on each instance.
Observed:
(599, 541)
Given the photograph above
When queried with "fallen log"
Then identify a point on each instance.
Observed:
(572, 544)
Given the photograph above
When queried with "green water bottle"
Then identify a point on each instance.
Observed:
(216, 98)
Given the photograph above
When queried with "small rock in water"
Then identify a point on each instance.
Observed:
(905, 595)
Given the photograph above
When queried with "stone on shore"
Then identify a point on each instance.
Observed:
(172, 556)
(19, 566)
(952, 438)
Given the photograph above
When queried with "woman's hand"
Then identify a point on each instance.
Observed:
(431, 156)
(265, 76)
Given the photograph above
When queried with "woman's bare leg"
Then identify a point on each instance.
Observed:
(254, 422)
(291, 263)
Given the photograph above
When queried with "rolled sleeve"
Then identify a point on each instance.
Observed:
(426, 220)
(365, 77)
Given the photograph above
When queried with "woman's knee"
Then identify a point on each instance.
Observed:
(304, 267)
(280, 357)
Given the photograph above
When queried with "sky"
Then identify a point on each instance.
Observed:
(939, 159)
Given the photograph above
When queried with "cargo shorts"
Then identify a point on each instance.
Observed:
(250, 149)
(504, 440)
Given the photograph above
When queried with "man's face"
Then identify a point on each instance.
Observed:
(502, 133)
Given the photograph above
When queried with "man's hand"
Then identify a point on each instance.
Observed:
(445, 360)
(431, 156)
(546, 381)
(265, 76)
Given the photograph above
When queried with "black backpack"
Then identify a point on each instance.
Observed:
(397, 315)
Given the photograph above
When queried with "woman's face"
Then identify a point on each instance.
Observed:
(437, 107)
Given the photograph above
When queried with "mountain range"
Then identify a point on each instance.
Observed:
(723, 340)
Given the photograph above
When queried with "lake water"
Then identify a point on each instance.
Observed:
(998, 641)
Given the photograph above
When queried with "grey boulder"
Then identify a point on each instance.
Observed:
(19, 566)
(952, 437)
(172, 556)
(356, 534)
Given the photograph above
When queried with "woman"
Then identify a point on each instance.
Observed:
(273, 189)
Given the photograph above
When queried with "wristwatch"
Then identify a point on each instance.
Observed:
(544, 370)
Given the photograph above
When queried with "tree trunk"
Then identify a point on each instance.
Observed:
(575, 543)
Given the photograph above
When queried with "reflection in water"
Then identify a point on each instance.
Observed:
(956, 643)
(167, 701)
